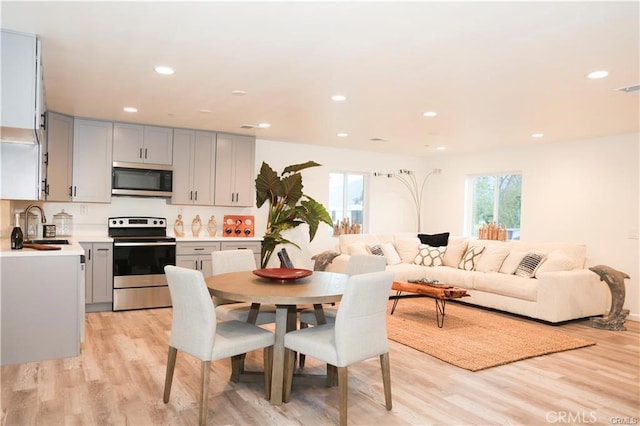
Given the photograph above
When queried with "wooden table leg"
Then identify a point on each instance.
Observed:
(237, 362)
(285, 317)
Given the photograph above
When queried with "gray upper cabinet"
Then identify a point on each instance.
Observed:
(22, 94)
(134, 143)
(92, 160)
(235, 163)
(58, 157)
(193, 167)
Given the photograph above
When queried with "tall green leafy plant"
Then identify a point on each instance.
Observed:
(289, 207)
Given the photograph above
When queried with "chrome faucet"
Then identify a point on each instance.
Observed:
(43, 219)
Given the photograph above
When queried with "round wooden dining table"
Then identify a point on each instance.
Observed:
(320, 287)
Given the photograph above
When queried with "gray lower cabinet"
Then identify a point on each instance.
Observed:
(40, 308)
(98, 276)
(197, 255)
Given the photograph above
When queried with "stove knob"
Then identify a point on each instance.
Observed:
(121, 222)
(162, 222)
(114, 222)
(155, 222)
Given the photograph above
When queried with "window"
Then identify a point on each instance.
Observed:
(346, 200)
(494, 198)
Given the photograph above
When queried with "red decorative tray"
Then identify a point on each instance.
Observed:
(282, 274)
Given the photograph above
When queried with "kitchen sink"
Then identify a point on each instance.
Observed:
(47, 241)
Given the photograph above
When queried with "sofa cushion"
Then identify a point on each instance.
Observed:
(434, 240)
(357, 248)
(529, 264)
(375, 249)
(470, 258)
(454, 252)
(506, 285)
(407, 248)
(512, 261)
(429, 256)
(390, 254)
(452, 276)
(555, 261)
(492, 259)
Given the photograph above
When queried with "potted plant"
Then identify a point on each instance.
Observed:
(289, 207)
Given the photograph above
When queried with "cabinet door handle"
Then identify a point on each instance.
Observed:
(145, 153)
(191, 195)
(89, 255)
(103, 249)
(196, 195)
(196, 262)
(75, 190)
(198, 249)
(140, 155)
(71, 191)
(201, 265)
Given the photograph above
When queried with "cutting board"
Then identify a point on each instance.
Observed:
(41, 246)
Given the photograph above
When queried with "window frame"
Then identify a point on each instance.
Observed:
(469, 199)
(365, 196)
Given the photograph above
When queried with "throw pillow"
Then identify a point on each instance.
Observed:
(429, 256)
(390, 253)
(376, 250)
(529, 264)
(407, 248)
(434, 240)
(555, 261)
(470, 258)
(454, 253)
(492, 259)
(512, 261)
(357, 248)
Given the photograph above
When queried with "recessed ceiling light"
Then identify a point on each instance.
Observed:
(238, 92)
(339, 98)
(130, 109)
(441, 148)
(205, 111)
(430, 114)
(343, 135)
(537, 135)
(264, 125)
(164, 70)
(597, 74)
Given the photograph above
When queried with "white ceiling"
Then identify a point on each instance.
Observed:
(495, 72)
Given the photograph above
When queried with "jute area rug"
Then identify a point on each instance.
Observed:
(472, 338)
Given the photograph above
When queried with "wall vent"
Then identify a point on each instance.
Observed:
(630, 89)
(378, 140)
(248, 126)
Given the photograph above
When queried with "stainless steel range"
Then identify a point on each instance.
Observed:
(141, 250)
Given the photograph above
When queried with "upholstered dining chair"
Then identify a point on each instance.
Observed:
(195, 330)
(226, 261)
(358, 264)
(358, 333)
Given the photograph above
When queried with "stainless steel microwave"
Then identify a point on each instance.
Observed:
(141, 180)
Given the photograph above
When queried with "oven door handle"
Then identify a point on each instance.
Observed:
(142, 244)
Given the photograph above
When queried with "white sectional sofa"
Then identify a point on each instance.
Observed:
(561, 289)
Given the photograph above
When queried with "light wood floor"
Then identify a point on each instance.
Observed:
(119, 377)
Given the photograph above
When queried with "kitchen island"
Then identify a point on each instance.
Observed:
(42, 303)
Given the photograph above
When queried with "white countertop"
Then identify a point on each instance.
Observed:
(71, 249)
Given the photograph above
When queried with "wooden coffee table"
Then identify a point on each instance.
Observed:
(440, 293)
